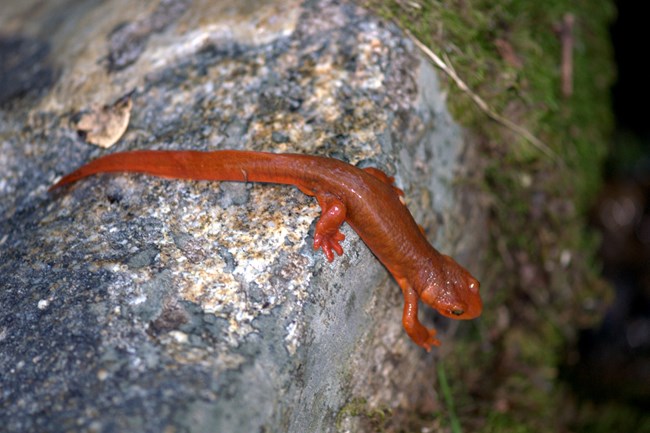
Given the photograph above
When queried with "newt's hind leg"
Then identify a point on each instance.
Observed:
(389, 180)
(327, 235)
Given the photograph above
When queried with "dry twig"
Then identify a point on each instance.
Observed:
(566, 36)
(480, 102)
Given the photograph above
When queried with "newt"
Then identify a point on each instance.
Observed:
(364, 198)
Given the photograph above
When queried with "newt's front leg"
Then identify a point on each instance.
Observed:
(421, 335)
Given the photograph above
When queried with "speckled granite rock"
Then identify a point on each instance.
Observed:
(135, 304)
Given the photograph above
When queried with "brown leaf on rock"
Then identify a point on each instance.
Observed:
(105, 126)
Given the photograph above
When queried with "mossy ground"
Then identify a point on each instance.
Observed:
(541, 282)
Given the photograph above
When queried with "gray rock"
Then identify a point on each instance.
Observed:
(135, 304)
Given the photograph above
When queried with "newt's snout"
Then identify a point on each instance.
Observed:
(455, 293)
(465, 305)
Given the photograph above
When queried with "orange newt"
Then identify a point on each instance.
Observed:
(364, 198)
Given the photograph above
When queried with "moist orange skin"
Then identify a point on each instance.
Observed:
(364, 198)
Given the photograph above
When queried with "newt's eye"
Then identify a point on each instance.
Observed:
(457, 312)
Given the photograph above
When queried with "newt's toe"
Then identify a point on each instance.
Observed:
(329, 243)
(430, 341)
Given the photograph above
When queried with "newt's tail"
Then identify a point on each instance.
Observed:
(225, 165)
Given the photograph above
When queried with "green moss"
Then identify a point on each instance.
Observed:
(375, 419)
(541, 280)
(504, 423)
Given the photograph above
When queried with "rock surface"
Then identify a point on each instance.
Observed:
(135, 304)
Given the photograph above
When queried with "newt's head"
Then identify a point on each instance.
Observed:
(453, 291)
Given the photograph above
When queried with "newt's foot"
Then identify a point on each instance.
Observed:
(329, 242)
(430, 340)
(327, 234)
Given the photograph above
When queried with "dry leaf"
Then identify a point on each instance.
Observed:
(104, 126)
(507, 53)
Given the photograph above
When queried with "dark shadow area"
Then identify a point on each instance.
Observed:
(612, 362)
